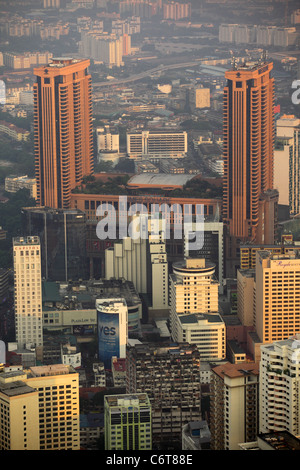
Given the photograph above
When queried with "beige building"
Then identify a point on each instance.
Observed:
(194, 310)
(28, 292)
(201, 98)
(245, 295)
(234, 405)
(279, 387)
(287, 162)
(277, 295)
(39, 409)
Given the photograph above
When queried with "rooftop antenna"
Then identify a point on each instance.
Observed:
(233, 63)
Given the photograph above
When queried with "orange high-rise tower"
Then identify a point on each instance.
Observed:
(248, 150)
(63, 129)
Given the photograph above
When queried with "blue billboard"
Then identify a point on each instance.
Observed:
(108, 336)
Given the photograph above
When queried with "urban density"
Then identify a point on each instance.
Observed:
(149, 227)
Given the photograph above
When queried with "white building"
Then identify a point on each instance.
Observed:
(28, 292)
(194, 310)
(157, 144)
(279, 386)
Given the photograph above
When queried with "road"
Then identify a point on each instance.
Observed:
(149, 72)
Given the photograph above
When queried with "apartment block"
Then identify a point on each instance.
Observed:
(127, 422)
(14, 183)
(28, 291)
(40, 409)
(157, 144)
(234, 405)
(170, 375)
(279, 386)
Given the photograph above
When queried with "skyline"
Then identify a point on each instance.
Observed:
(181, 333)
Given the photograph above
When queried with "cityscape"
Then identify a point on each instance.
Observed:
(149, 227)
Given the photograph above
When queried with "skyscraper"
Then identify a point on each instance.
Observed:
(62, 129)
(248, 149)
(28, 291)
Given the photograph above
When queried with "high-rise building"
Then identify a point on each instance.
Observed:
(28, 291)
(279, 386)
(39, 408)
(170, 375)
(62, 234)
(277, 296)
(287, 162)
(127, 422)
(248, 150)
(62, 129)
(194, 309)
(112, 319)
(234, 405)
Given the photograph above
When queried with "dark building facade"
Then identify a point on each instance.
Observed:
(62, 235)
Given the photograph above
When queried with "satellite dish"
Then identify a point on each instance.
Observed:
(2, 352)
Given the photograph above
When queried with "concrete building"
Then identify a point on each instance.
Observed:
(196, 436)
(277, 296)
(28, 291)
(14, 183)
(234, 405)
(127, 422)
(157, 144)
(194, 308)
(245, 296)
(169, 374)
(102, 47)
(287, 162)
(279, 386)
(40, 409)
(200, 98)
(14, 132)
(107, 139)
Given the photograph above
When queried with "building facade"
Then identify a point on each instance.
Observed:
(170, 375)
(248, 150)
(157, 144)
(62, 129)
(279, 387)
(234, 405)
(28, 291)
(40, 407)
(194, 308)
(127, 422)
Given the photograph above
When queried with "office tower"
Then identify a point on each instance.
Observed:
(170, 374)
(234, 405)
(287, 162)
(248, 150)
(62, 234)
(43, 405)
(157, 144)
(127, 422)
(28, 291)
(279, 386)
(112, 322)
(194, 309)
(62, 129)
(277, 295)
